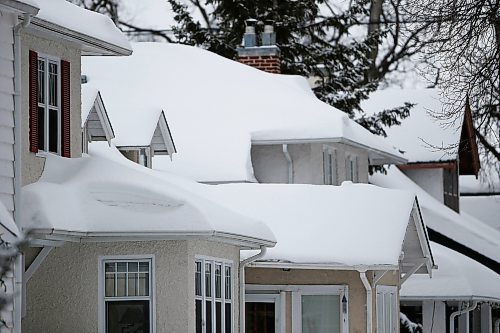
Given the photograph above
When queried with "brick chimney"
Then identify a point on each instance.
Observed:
(265, 56)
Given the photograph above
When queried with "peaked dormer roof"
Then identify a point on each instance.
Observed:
(94, 116)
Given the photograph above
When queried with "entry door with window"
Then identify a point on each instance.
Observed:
(262, 313)
(320, 311)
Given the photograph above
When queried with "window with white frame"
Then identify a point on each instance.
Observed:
(387, 309)
(49, 109)
(213, 296)
(262, 312)
(320, 309)
(351, 168)
(127, 295)
(329, 166)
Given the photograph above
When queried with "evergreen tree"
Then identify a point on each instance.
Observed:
(311, 45)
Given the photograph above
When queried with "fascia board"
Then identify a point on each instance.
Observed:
(89, 45)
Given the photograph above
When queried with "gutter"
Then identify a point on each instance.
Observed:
(19, 264)
(245, 262)
(369, 301)
(289, 162)
(460, 312)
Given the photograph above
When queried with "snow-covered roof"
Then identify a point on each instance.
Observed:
(485, 208)
(216, 108)
(323, 225)
(8, 228)
(461, 228)
(20, 6)
(107, 196)
(94, 115)
(96, 33)
(457, 278)
(422, 137)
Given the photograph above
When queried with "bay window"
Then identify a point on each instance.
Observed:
(213, 296)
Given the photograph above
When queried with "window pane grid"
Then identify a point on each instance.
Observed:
(127, 279)
(48, 105)
(213, 305)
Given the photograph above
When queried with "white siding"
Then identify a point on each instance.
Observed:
(7, 22)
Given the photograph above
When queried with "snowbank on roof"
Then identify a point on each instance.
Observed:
(80, 20)
(100, 195)
(317, 224)
(421, 137)
(457, 276)
(462, 228)
(484, 208)
(215, 107)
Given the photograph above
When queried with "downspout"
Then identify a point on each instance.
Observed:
(369, 301)
(19, 264)
(497, 326)
(245, 262)
(289, 162)
(460, 312)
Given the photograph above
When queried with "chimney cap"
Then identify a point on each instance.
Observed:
(250, 22)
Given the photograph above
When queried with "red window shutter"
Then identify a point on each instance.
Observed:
(33, 101)
(65, 110)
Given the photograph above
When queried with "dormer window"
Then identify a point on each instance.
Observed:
(49, 104)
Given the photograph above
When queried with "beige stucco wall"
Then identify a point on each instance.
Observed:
(270, 165)
(62, 296)
(357, 292)
(33, 165)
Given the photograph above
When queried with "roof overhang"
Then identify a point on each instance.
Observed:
(18, 7)
(448, 164)
(457, 298)
(54, 235)
(376, 156)
(322, 266)
(89, 45)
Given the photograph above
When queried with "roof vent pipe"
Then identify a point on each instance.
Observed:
(268, 35)
(249, 38)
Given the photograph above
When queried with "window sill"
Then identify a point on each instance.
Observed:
(44, 154)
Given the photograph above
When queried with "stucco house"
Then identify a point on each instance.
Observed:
(132, 249)
(335, 268)
(282, 134)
